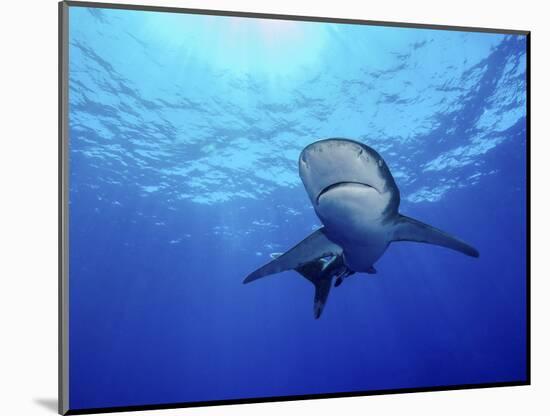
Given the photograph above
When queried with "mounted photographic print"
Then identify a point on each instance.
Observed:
(263, 207)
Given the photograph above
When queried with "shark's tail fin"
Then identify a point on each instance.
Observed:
(313, 272)
(316, 258)
(322, 289)
(321, 281)
(409, 229)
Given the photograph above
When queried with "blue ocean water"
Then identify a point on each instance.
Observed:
(185, 132)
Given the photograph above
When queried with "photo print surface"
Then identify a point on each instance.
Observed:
(262, 208)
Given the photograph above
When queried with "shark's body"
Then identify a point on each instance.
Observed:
(355, 196)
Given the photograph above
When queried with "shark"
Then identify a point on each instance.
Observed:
(355, 197)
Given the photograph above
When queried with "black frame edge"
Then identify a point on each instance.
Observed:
(528, 203)
(339, 395)
(257, 15)
(63, 301)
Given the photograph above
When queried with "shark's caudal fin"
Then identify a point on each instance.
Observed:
(322, 289)
(315, 273)
(409, 229)
(313, 247)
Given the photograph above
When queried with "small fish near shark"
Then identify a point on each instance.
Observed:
(357, 200)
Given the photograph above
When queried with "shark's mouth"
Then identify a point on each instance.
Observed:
(339, 184)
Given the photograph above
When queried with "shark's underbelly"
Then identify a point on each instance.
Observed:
(354, 218)
(360, 254)
(362, 258)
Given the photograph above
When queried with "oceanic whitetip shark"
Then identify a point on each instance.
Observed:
(355, 196)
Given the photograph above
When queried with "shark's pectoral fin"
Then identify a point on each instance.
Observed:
(409, 229)
(312, 248)
(322, 289)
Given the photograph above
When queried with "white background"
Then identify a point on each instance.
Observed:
(28, 227)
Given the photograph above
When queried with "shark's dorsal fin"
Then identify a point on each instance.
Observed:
(312, 248)
(409, 229)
